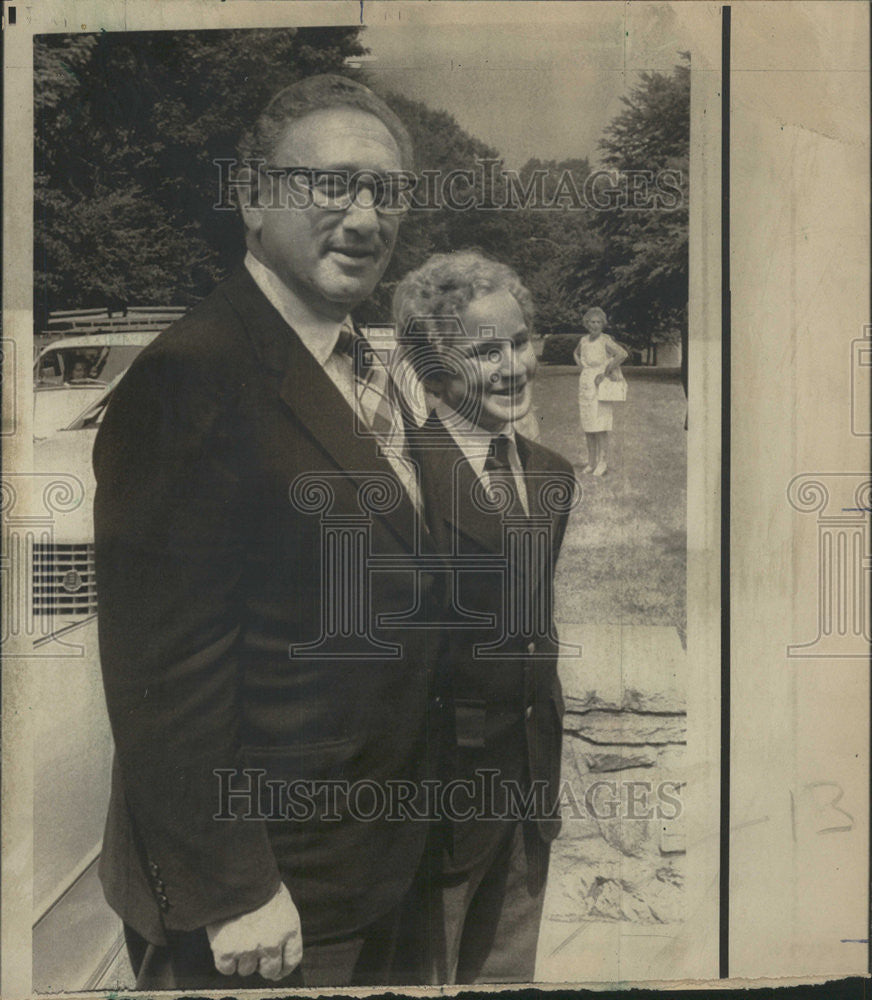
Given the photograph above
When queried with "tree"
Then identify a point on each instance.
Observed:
(532, 240)
(441, 146)
(547, 238)
(638, 270)
(128, 129)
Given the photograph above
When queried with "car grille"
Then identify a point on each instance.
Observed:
(63, 579)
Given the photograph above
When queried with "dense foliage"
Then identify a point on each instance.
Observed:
(127, 129)
(129, 126)
(637, 267)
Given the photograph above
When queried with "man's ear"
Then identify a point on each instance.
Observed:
(246, 184)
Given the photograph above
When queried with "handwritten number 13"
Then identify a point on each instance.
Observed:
(831, 803)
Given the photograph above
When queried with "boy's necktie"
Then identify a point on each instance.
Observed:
(499, 471)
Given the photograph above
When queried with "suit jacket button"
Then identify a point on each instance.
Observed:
(529, 712)
(153, 869)
(531, 647)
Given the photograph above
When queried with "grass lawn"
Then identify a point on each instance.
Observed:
(624, 556)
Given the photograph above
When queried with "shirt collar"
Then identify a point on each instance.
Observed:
(475, 441)
(464, 427)
(319, 334)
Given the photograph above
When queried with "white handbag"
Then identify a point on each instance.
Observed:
(612, 391)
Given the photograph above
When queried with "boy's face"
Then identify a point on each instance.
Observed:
(494, 365)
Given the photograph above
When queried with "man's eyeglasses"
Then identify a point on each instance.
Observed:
(337, 190)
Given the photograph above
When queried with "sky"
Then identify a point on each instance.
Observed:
(526, 88)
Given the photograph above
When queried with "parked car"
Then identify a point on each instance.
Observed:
(75, 371)
(77, 939)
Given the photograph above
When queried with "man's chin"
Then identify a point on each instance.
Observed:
(511, 411)
(339, 301)
(349, 290)
(495, 420)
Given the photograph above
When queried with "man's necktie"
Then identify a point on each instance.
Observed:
(380, 411)
(499, 470)
(371, 385)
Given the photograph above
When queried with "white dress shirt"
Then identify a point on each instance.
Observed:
(475, 443)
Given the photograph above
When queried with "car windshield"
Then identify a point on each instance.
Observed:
(96, 365)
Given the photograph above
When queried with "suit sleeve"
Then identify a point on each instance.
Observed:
(169, 531)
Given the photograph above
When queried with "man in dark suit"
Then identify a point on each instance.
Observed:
(497, 506)
(259, 670)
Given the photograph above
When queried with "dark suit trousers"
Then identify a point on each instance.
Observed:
(484, 923)
(387, 952)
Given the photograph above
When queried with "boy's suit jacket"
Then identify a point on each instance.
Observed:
(508, 705)
(210, 568)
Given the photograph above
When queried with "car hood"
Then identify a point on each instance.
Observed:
(67, 454)
(55, 408)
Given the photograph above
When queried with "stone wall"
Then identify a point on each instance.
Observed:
(620, 855)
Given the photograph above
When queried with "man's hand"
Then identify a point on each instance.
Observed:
(267, 940)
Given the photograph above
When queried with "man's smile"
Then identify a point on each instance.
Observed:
(355, 253)
(513, 389)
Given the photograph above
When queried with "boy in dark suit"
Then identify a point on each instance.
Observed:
(497, 505)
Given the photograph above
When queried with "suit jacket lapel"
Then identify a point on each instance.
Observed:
(310, 394)
(531, 462)
(539, 470)
(450, 486)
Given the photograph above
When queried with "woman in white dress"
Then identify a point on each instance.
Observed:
(599, 357)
